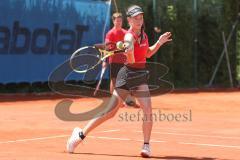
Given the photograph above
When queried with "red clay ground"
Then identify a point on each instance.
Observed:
(30, 130)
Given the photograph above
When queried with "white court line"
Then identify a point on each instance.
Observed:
(34, 139)
(49, 137)
(124, 139)
(113, 130)
(154, 141)
(194, 135)
(211, 145)
(63, 136)
(110, 138)
(120, 139)
(182, 129)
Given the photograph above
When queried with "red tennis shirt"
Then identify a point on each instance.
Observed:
(140, 49)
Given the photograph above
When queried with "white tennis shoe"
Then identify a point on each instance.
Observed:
(74, 140)
(146, 152)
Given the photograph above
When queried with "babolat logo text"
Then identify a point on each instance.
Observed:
(21, 39)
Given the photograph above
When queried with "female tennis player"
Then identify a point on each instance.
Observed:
(117, 61)
(130, 77)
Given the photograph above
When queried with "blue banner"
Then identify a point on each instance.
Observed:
(38, 35)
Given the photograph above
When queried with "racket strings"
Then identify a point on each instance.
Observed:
(85, 59)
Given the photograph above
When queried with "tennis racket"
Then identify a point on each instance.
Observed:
(88, 58)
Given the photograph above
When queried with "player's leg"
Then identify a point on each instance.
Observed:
(145, 101)
(111, 108)
(108, 112)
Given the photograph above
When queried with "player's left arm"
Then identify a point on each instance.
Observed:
(166, 37)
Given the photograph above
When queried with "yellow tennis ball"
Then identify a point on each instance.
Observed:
(120, 45)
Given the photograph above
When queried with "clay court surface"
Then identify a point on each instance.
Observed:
(29, 129)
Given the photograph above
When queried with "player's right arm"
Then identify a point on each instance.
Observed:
(128, 44)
